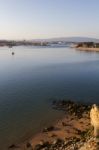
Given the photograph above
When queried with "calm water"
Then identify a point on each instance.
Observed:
(31, 78)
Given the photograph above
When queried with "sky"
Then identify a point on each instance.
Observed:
(36, 19)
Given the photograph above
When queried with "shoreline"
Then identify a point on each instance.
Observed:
(87, 49)
(61, 130)
(74, 126)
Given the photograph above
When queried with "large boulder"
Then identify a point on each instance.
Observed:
(94, 116)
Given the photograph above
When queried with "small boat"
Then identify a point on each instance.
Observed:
(13, 53)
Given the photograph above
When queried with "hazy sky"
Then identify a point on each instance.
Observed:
(29, 19)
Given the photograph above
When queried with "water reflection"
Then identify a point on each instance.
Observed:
(33, 76)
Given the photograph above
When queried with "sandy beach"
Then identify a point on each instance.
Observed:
(88, 49)
(64, 129)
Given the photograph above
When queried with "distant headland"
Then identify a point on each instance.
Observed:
(88, 46)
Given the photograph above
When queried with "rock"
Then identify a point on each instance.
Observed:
(46, 144)
(94, 116)
(38, 147)
(54, 102)
(12, 146)
(91, 144)
(29, 146)
(73, 108)
(64, 124)
(57, 141)
(42, 145)
(48, 129)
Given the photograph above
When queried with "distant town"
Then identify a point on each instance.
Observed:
(20, 43)
(32, 43)
(50, 43)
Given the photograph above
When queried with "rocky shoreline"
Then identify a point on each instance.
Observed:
(72, 132)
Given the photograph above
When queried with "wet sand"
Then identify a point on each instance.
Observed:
(66, 131)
